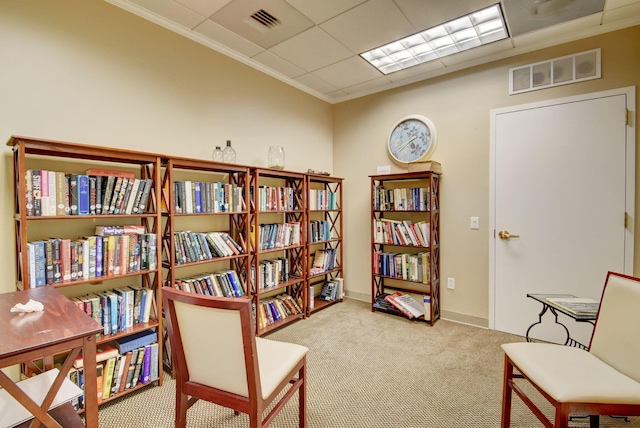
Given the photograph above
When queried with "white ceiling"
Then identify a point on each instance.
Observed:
(315, 46)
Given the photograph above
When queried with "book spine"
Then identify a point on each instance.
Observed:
(73, 193)
(61, 200)
(37, 193)
(83, 195)
(142, 208)
(28, 188)
(146, 365)
(92, 195)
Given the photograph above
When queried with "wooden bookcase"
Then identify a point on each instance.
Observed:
(324, 231)
(277, 198)
(390, 205)
(69, 158)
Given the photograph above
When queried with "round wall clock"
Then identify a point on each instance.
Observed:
(412, 139)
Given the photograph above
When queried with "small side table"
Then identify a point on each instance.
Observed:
(548, 305)
(62, 327)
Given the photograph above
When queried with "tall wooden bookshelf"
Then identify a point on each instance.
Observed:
(278, 250)
(324, 219)
(202, 200)
(402, 260)
(30, 155)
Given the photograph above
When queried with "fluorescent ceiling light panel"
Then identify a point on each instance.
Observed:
(476, 29)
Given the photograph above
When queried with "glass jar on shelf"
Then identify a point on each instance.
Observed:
(275, 158)
(217, 155)
(229, 154)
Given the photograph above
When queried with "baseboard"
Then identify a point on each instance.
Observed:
(447, 315)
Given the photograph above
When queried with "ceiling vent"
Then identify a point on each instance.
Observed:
(265, 18)
(559, 71)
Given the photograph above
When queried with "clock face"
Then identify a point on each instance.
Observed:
(412, 139)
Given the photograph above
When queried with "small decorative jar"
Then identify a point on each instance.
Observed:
(276, 157)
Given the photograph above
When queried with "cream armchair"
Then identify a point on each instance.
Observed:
(605, 380)
(217, 358)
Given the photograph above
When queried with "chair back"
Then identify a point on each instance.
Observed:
(212, 341)
(616, 335)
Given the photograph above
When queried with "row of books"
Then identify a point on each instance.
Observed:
(401, 199)
(401, 232)
(191, 247)
(97, 192)
(273, 198)
(319, 230)
(323, 260)
(60, 260)
(409, 267)
(270, 311)
(271, 272)
(279, 235)
(321, 199)
(223, 283)
(119, 308)
(191, 197)
(119, 371)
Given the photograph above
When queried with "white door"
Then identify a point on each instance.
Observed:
(563, 180)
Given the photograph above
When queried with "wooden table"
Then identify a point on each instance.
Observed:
(61, 327)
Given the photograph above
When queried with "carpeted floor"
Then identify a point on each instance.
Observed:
(369, 369)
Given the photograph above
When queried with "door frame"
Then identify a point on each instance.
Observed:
(630, 183)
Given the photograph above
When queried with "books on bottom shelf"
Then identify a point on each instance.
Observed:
(332, 290)
(406, 304)
(120, 372)
(277, 308)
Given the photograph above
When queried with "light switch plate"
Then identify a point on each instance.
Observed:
(475, 223)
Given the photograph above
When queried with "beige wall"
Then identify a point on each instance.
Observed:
(459, 105)
(89, 72)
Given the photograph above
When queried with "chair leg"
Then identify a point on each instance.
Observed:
(594, 421)
(302, 396)
(181, 408)
(506, 393)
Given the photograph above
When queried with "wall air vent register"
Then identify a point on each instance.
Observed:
(559, 71)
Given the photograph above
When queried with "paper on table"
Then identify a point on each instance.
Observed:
(30, 306)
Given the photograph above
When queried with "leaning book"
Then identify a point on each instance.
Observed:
(576, 305)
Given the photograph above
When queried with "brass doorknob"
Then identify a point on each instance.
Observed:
(505, 235)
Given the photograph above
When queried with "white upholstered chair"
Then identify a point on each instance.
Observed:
(605, 380)
(216, 357)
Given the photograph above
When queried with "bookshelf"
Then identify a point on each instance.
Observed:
(324, 226)
(405, 242)
(203, 202)
(278, 250)
(71, 260)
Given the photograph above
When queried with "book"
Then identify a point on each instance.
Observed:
(132, 368)
(577, 305)
(103, 352)
(392, 299)
(129, 229)
(109, 172)
(145, 371)
(109, 367)
(410, 304)
(125, 364)
(429, 165)
(138, 368)
(137, 340)
(84, 200)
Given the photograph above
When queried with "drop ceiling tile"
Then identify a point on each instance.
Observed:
(204, 7)
(337, 95)
(172, 11)
(525, 16)
(422, 69)
(424, 14)
(614, 4)
(349, 72)
(227, 39)
(320, 11)
(557, 34)
(622, 13)
(374, 84)
(278, 64)
(237, 17)
(312, 50)
(369, 25)
(315, 83)
(477, 53)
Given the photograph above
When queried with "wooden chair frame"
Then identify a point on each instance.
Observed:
(563, 410)
(253, 405)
